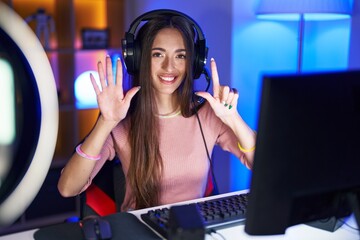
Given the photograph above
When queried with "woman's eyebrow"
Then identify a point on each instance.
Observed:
(181, 50)
(158, 49)
(163, 50)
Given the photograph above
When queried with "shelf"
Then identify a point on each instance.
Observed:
(77, 50)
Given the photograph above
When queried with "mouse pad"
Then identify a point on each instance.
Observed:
(123, 226)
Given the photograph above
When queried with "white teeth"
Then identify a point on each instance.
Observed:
(167, 78)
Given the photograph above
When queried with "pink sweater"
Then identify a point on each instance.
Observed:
(185, 161)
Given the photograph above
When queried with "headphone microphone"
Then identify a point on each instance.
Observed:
(132, 50)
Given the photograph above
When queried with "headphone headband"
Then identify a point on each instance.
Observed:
(132, 50)
(150, 15)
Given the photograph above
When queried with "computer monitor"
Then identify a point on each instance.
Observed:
(307, 159)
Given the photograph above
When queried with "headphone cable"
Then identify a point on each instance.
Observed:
(216, 189)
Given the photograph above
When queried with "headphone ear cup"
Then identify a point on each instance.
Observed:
(128, 46)
(201, 52)
(137, 56)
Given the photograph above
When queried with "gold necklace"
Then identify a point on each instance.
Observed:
(169, 115)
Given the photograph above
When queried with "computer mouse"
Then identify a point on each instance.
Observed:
(95, 228)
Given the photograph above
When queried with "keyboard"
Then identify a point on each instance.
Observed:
(215, 213)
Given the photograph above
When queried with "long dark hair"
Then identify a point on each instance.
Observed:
(145, 168)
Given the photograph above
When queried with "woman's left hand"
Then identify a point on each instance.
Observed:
(224, 99)
(224, 104)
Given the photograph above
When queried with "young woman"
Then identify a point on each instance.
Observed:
(160, 134)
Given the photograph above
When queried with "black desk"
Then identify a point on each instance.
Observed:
(123, 226)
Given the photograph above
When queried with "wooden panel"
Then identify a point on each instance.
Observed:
(87, 119)
(67, 135)
(115, 22)
(64, 15)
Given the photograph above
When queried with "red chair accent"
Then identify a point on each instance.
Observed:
(99, 201)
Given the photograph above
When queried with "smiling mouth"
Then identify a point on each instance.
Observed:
(167, 79)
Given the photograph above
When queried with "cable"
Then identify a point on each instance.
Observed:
(348, 225)
(197, 104)
(210, 234)
(222, 236)
(211, 231)
(207, 150)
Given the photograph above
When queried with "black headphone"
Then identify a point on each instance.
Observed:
(132, 51)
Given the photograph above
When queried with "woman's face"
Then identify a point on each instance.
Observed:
(168, 61)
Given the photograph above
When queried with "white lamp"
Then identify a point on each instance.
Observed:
(301, 10)
(84, 92)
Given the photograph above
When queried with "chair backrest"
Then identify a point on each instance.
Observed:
(211, 187)
(106, 193)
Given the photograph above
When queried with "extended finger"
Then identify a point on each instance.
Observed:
(131, 93)
(95, 86)
(101, 75)
(109, 71)
(207, 96)
(119, 76)
(215, 78)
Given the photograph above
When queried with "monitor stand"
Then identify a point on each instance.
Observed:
(333, 223)
(329, 224)
(354, 200)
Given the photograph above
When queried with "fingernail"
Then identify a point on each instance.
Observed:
(226, 105)
(212, 59)
(230, 107)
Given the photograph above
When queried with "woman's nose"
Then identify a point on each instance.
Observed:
(168, 64)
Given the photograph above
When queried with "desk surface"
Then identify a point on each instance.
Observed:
(298, 232)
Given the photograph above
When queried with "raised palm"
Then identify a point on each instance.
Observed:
(113, 102)
(224, 99)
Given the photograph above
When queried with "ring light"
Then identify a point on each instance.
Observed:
(19, 198)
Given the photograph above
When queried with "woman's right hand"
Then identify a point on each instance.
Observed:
(112, 101)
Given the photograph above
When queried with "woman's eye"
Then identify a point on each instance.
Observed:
(156, 54)
(182, 56)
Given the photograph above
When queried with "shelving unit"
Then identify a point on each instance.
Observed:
(68, 60)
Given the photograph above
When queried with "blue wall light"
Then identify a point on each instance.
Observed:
(303, 10)
(84, 91)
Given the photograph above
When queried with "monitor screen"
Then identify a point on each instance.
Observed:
(307, 160)
(27, 97)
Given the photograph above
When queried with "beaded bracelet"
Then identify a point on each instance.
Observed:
(245, 150)
(84, 155)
